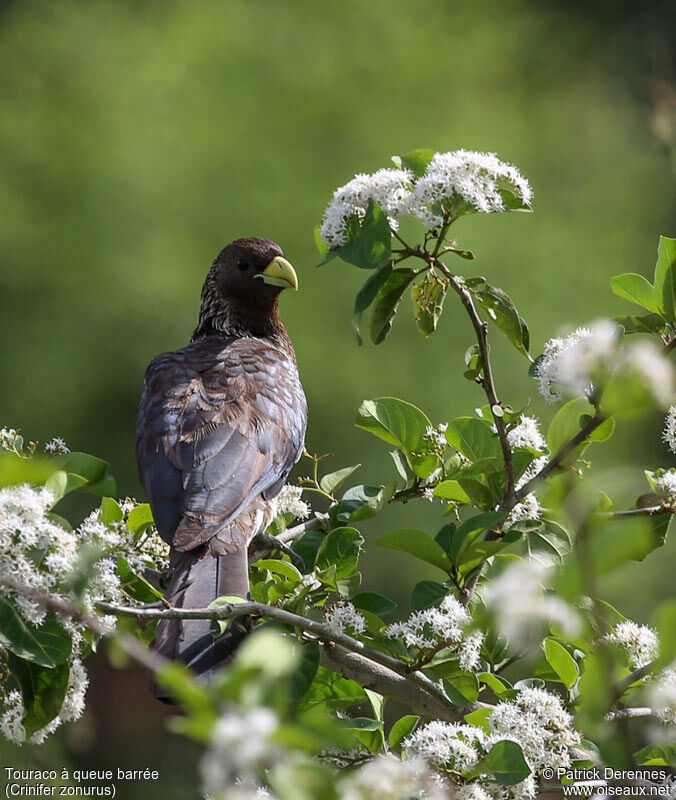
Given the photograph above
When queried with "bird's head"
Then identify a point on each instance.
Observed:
(241, 290)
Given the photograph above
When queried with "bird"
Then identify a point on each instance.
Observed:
(221, 423)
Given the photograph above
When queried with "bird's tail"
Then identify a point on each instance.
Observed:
(198, 578)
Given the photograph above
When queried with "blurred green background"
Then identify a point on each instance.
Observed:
(137, 138)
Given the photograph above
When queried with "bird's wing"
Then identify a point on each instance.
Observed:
(218, 425)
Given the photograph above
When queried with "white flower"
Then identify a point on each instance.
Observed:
(666, 482)
(428, 494)
(520, 605)
(640, 642)
(537, 721)
(11, 725)
(669, 434)
(387, 187)
(527, 434)
(240, 746)
(8, 438)
(447, 744)
(475, 177)
(528, 508)
(578, 359)
(386, 777)
(443, 624)
(663, 697)
(343, 616)
(289, 502)
(437, 436)
(56, 446)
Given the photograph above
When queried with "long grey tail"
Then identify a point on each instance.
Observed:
(198, 578)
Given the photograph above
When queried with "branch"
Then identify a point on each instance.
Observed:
(289, 535)
(487, 382)
(318, 629)
(622, 685)
(385, 681)
(564, 451)
(628, 713)
(647, 511)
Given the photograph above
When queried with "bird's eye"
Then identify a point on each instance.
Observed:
(242, 263)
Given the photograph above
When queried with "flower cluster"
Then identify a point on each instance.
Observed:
(665, 482)
(344, 616)
(390, 188)
(441, 626)
(437, 437)
(386, 777)
(669, 433)
(584, 360)
(72, 708)
(56, 446)
(447, 744)
(477, 179)
(289, 502)
(520, 605)
(45, 559)
(537, 721)
(240, 748)
(578, 359)
(640, 642)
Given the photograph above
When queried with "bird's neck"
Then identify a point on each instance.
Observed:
(239, 319)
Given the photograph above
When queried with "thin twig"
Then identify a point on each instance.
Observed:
(487, 382)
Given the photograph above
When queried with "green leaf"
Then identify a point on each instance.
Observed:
(136, 586)
(560, 660)
(282, 568)
(452, 490)
(140, 518)
(636, 289)
(42, 688)
(368, 293)
(373, 602)
(110, 511)
(372, 246)
(568, 422)
(331, 690)
(657, 755)
(329, 483)
(505, 762)
(472, 528)
(48, 645)
(479, 718)
(501, 310)
(428, 301)
(305, 672)
(402, 728)
(473, 438)
(495, 683)
(665, 278)
(341, 548)
(418, 544)
(361, 502)
(649, 323)
(417, 161)
(402, 424)
(426, 594)
(15, 470)
(90, 468)
(549, 545)
(307, 546)
(461, 687)
(387, 302)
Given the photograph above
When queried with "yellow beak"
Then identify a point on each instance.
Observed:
(280, 273)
